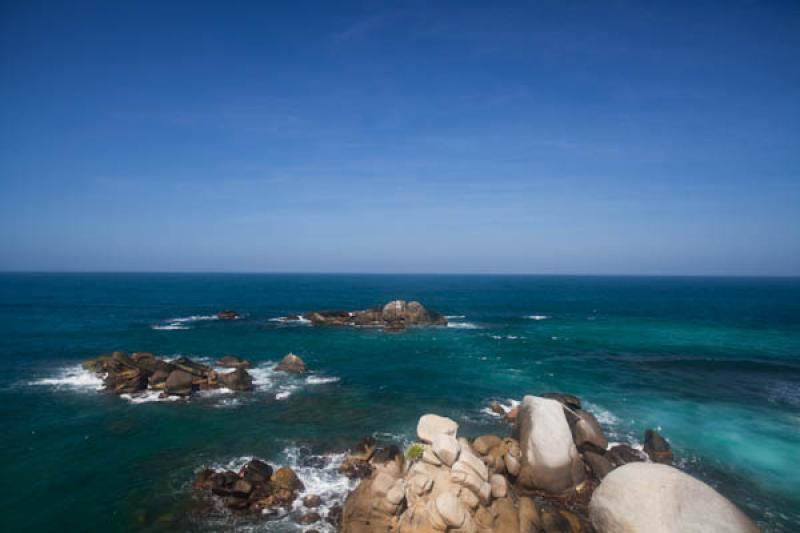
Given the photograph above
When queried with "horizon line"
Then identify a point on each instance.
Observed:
(357, 273)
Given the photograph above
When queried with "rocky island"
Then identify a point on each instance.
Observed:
(131, 374)
(394, 316)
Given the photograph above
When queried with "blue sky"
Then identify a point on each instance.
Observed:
(545, 137)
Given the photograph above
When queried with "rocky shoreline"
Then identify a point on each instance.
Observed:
(554, 473)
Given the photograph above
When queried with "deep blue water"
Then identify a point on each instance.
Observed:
(713, 362)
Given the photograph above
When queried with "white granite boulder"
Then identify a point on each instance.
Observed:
(550, 460)
(655, 498)
(430, 426)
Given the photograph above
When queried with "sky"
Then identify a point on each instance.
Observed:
(551, 137)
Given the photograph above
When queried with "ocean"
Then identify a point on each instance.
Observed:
(712, 363)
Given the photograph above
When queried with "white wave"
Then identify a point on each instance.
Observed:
(537, 317)
(180, 323)
(509, 337)
(149, 396)
(604, 416)
(454, 317)
(462, 325)
(283, 395)
(170, 327)
(291, 320)
(320, 380)
(75, 377)
(507, 406)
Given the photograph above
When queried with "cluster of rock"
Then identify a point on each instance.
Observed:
(140, 371)
(555, 474)
(394, 316)
(256, 487)
(228, 314)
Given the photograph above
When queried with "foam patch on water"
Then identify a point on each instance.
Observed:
(455, 317)
(320, 476)
(462, 325)
(321, 380)
(149, 396)
(181, 323)
(604, 416)
(507, 337)
(298, 319)
(74, 377)
(537, 317)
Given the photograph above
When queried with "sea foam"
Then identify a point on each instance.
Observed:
(75, 377)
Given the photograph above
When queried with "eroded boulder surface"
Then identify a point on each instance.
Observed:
(550, 459)
(655, 498)
(395, 315)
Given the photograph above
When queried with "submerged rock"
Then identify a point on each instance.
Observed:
(292, 364)
(655, 498)
(228, 314)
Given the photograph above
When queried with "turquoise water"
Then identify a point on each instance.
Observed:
(714, 363)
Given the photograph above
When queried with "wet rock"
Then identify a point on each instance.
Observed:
(394, 316)
(178, 383)
(312, 500)
(562, 521)
(598, 463)
(496, 408)
(192, 367)
(228, 314)
(286, 478)
(587, 433)
(232, 361)
(238, 380)
(256, 471)
(291, 364)
(655, 498)
(657, 448)
(309, 518)
(622, 454)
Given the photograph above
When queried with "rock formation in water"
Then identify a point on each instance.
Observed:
(556, 474)
(394, 316)
(124, 374)
(228, 314)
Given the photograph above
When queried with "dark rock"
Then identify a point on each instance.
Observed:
(128, 381)
(623, 454)
(192, 367)
(309, 518)
(334, 516)
(292, 364)
(356, 468)
(178, 383)
(312, 500)
(365, 449)
(204, 480)
(598, 463)
(238, 380)
(256, 471)
(227, 315)
(158, 379)
(235, 502)
(562, 521)
(496, 408)
(571, 401)
(587, 433)
(241, 488)
(232, 361)
(286, 478)
(222, 483)
(657, 448)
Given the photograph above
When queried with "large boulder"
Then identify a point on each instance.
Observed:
(430, 426)
(655, 498)
(238, 380)
(550, 460)
(587, 433)
(291, 364)
(178, 383)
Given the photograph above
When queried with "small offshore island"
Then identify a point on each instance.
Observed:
(554, 472)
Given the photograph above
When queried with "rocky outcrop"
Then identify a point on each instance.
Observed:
(124, 374)
(291, 364)
(256, 487)
(228, 314)
(232, 361)
(550, 460)
(394, 316)
(450, 488)
(655, 498)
